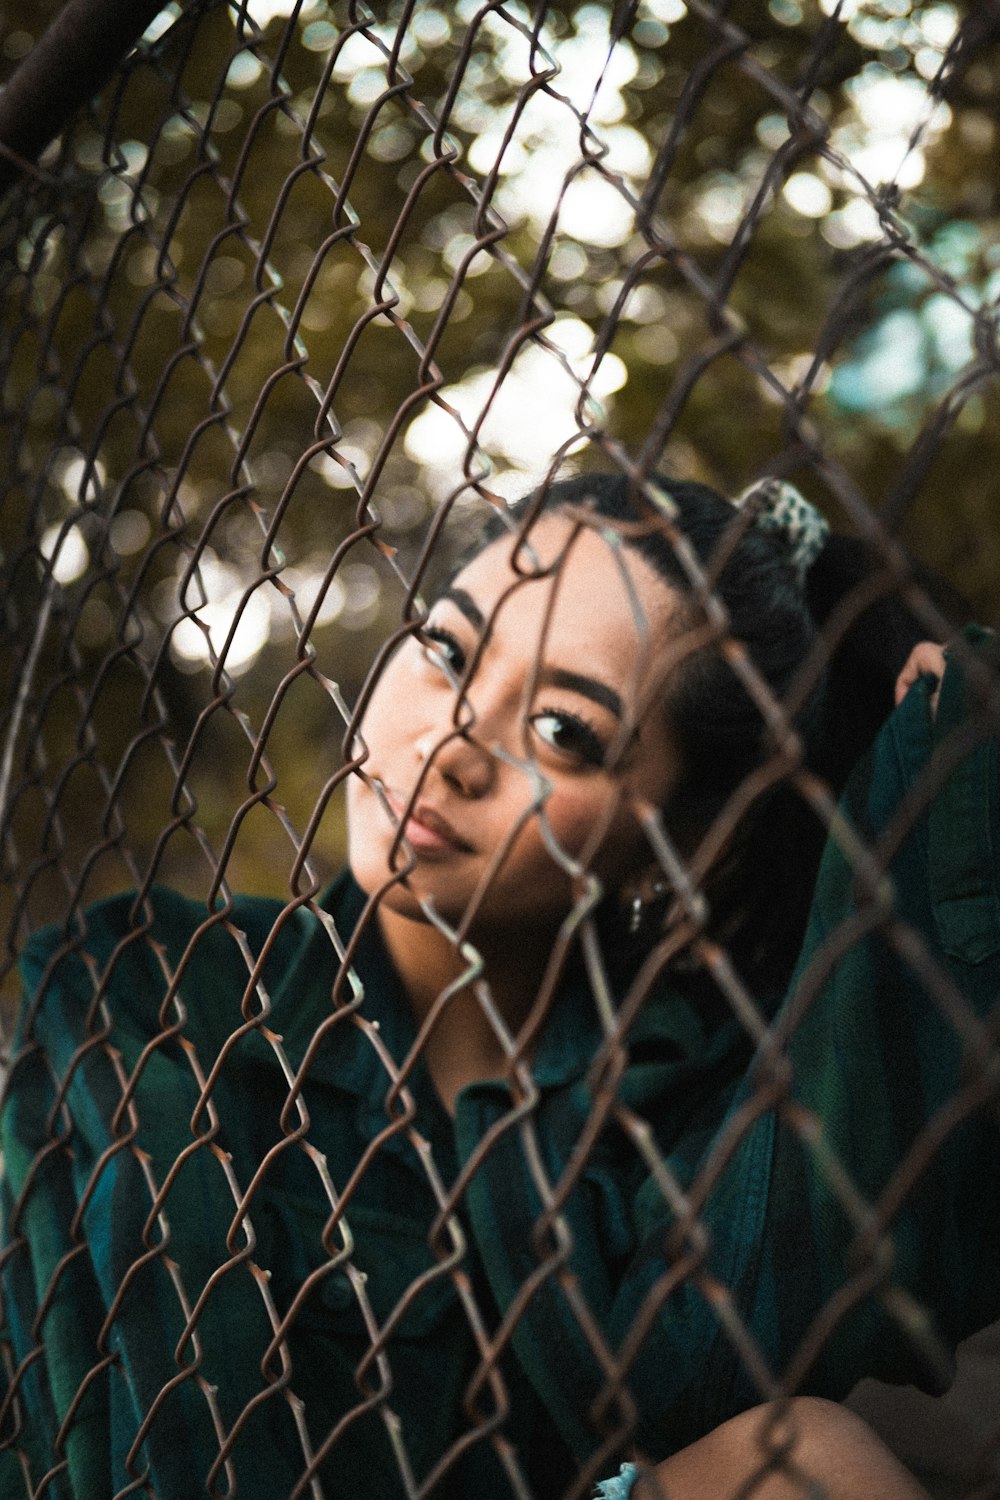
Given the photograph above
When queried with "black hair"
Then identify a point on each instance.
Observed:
(759, 892)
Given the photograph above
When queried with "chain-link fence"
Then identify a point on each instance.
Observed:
(498, 1161)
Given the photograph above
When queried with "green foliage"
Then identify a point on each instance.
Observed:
(256, 282)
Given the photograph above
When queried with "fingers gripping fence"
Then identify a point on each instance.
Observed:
(293, 310)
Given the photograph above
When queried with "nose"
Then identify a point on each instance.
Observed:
(461, 760)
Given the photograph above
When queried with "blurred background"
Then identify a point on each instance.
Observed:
(310, 287)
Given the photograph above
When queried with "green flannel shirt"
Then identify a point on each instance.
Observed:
(168, 1212)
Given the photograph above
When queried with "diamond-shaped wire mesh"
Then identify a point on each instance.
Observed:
(295, 312)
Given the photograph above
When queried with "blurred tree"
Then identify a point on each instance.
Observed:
(301, 267)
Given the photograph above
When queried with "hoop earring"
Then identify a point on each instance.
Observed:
(641, 908)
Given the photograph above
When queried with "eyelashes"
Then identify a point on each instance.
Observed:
(442, 649)
(569, 734)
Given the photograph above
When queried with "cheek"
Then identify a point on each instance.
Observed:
(364, 833)
(382, 724)
(368, 825)
(571, 819)
(574, 815)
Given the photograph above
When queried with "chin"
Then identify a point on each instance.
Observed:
(400, 896)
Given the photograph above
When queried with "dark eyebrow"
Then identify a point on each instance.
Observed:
(467, 606)
(574, 682)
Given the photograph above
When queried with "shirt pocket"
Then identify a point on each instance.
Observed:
(381, 1330)
(388, 1275)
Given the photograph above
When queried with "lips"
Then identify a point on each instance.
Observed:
(427, 831)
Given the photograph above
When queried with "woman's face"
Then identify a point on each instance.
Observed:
(501, 811)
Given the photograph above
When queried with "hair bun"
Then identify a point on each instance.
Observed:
(779, 508)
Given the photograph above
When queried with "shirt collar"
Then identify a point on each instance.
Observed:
(371, 1023)
(348, 1057)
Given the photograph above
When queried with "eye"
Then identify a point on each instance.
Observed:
(569, 734)
(442, 649)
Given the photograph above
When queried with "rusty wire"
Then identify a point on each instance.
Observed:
(230, 477)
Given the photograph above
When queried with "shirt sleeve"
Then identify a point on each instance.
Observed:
(844, 1219)
(133, 1333)
(853, 1223)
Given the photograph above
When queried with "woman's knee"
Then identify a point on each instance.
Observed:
(777, 1451)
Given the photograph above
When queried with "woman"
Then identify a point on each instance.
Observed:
(431, 1220)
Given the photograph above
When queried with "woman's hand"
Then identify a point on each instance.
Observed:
(928, 657)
